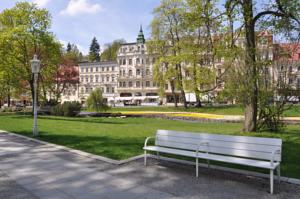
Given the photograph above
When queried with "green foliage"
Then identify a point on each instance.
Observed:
(111, 51)
(69, 109)
(96, 102)
(24, 31)
(94, 54)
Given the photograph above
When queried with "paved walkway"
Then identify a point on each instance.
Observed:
(32, 170)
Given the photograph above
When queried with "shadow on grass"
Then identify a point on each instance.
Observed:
(115, 148)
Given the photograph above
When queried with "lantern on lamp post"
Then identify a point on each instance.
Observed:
(35, 68)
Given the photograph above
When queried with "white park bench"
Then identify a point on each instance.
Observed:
(250, 151)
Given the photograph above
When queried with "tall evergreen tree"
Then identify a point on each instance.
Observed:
(94, 54)
(69, 47)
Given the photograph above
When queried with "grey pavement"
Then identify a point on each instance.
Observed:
(33, 170)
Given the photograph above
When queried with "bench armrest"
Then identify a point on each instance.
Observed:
(146, 141)
(275, 152)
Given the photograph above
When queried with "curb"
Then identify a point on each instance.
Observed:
(120, 162)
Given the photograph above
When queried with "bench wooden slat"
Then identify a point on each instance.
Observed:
(221, 150)
(231, 138)
(227, 159)
(225, 144)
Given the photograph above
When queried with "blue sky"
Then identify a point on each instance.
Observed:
(78, 21)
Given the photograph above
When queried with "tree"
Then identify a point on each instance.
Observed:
(111, 51)
(69, 47)
(25, 32)
(96, 102)
(201, 46)
(167, 25)
(284, 17)
(94, 54)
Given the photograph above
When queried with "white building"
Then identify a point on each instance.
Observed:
(102, 75)
(135, 81)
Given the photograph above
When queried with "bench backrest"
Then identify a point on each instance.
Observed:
(241, 146)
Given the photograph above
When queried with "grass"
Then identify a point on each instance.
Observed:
(294, 111)
(121, 138)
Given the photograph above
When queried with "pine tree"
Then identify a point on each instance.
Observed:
(94, 54)
(69, 47)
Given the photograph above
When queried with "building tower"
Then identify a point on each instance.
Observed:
(140, 39)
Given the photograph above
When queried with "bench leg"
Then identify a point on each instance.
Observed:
(145, 158)
(271, 181)
(197, 167)
(278, 173)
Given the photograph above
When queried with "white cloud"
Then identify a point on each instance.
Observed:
(77, 7)
(41, 3)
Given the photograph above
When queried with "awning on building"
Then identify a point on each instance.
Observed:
(152, 97)
(190, 97)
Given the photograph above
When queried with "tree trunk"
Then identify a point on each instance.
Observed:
(180, 80)
(198, 101)
(8, 98)
(172, 83)
(250, 123)
(196, 90)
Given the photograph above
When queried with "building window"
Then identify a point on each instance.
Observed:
(129, 84)
(82, 70)
(102, 69)
(124, 61)
(120, 84)
(142, 61)
(107, 89)
(138, 72)
(91, 78)
(82, 90)
(124, 84)
(147, 71)
(97, 78)
(81, 78)
(102, 78)
(107, 78)
(113, 89)
(130, 61)
(112, 68)
(130, 73)
(153, 60)
(137, 84)
(86, 79)
(147, 83)
(96, 69)
(137, 61)
(107, 68)
(86, 70)
(86, 89)
(123, 72)
(112, 78)
(91, 69)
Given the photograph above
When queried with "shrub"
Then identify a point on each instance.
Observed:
(70, 109)
(96, 102)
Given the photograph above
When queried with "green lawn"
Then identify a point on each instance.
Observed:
(226, 110)
(121, 138)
